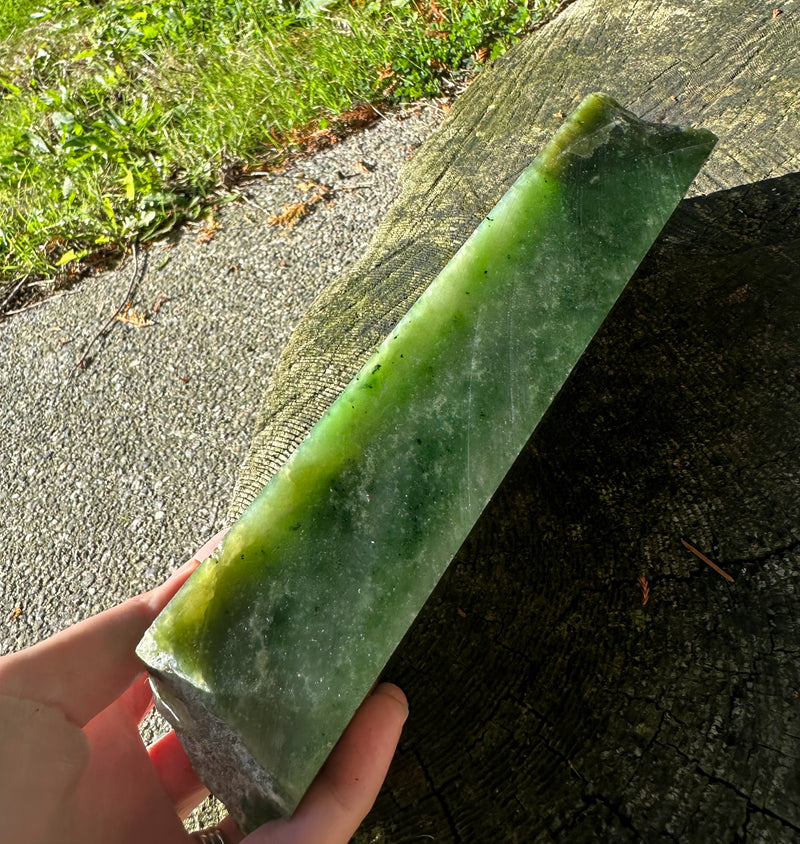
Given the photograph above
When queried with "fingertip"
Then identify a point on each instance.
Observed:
(210, 545)
(158, 598)
(394, 692)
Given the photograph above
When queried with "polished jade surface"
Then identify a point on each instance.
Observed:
(282, 633)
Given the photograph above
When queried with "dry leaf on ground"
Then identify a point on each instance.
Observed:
(294, 211)
(208, 230)
(129, 316)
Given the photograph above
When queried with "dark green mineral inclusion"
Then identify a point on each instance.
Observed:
(285, 629)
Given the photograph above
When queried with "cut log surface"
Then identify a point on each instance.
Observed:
(549, 701)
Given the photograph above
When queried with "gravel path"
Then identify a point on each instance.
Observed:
(113, 475)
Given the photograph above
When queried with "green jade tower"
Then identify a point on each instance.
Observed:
(262, 658)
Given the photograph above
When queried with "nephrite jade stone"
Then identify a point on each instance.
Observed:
(264, 655)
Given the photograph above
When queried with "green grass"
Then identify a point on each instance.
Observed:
(121, 118)
(15, 15)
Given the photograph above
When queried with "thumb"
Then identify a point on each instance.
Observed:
(347, 785)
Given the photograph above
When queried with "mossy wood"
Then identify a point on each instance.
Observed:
(549, 704)
(281, 633)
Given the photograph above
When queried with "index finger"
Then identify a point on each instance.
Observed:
(87, 666)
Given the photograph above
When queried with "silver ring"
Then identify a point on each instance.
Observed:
(211, 835)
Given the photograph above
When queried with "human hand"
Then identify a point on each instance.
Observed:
(74, 770)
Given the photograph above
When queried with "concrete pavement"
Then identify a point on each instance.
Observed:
(114, 474)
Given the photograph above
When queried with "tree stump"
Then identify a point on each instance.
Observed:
(579, 675)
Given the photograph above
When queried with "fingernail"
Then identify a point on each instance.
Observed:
(212, 543)
(198, 557)
(186, 568)
(393, 691)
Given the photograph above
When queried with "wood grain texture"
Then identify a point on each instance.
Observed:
(548, 703)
